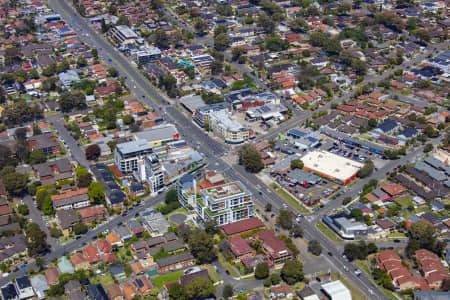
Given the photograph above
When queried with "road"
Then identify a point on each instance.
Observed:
(35, 216)
(70, 143)
(60, 251)
(212, 149)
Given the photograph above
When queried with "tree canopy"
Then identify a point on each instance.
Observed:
(250, 157)
(292, 272)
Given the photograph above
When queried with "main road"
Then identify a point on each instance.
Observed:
(142, 88)
(212, 149)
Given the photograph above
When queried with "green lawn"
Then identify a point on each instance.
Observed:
(289, 199)
(178, 210)
(213, 273)
(105, 280)
(388, 293)
(362, 265)
(328, 232)
(404, 201)
(162, 280)
(228, 266)
(122, 254)
(406, 214)
(397, 235)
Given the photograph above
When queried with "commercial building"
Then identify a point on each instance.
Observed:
(267, 112)
(148, 55)
(226, 203)
(336, 290)
(126, 155)
(158, 136)
(332, 166)
(124, 35)
(202, 113)
(230, 130)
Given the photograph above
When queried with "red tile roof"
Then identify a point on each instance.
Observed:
(239, 246)
(91, 254)
(242, 226)
(394, 189)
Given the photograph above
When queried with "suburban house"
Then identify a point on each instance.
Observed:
(66, 219)
(240, 247)
(273, 246)
(242, 226)
(79, 262)
(24, 287)
(52, 171)
(91, 253)
(175, 262)
(92, 213)
(46, 142)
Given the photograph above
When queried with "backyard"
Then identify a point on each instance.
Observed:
(105, 280)
(404, 201)
(162, 280)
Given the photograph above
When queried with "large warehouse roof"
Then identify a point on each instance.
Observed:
(330, 164)
(336, 290)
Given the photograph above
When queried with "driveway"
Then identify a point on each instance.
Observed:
(178, 218)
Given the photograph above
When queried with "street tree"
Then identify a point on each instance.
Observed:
(250, 157)
(296, 230)
(285, 219)
(366, 170)
(292, 272)
(314, 247)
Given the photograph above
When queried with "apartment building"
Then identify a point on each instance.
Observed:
(150, 171)
(127, 155)
(230, 130)
(226, 203)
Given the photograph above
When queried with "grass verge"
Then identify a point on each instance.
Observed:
(363, 266)
(357, 294)
(289, 199)
(228, 266)
(330, 234)
(213, 273)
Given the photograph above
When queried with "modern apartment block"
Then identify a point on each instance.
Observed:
(126, 155)
(226, 203)
(151, 171)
